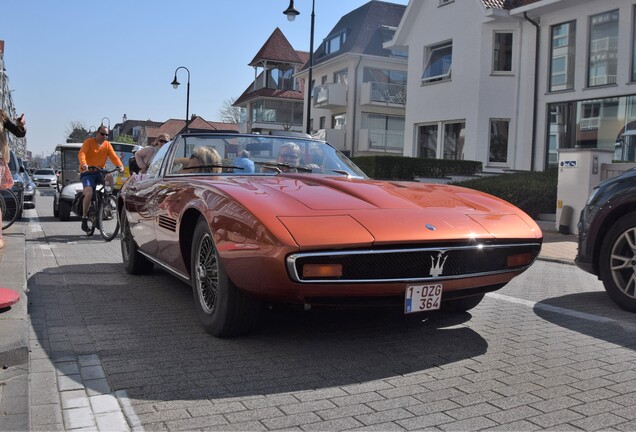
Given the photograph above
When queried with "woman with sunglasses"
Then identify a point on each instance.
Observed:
(145, 155)
(94, 152)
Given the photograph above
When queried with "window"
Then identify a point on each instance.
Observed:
(562, 56)
(322, 122)
(428, 141)
(323, 80)
(277, 111)
(502, 52)
(595, 123)
(339, 121)
(340, 77)
(385, 132)
(454, 140)
(498, 151)
(334, 44)
(438, 66)
(602, 53)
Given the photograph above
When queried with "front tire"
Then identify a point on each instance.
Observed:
(617, 262)
(134, 262)
(224, 310)
(64, 210)
(107, 219)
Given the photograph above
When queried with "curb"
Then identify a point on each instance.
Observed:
(14, 330)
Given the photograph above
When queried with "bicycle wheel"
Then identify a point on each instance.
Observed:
(9, 206)
(91, 218)
(108, 222)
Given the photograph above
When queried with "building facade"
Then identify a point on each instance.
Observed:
(510, 82)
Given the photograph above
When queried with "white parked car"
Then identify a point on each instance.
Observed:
(45, 177)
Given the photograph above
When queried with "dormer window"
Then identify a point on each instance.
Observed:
(335, 43)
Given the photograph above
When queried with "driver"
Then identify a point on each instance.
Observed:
(289, 154)
(94, 152)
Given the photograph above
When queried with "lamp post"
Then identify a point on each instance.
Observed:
(175, 84)
(291, 13)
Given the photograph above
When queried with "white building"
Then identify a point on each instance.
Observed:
(476, 92)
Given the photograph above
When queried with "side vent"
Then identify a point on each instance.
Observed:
(168, 223)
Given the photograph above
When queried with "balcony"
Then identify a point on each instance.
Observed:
(335, 137)
(330, 96)
(383, 94)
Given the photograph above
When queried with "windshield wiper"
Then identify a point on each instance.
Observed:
(276, 166)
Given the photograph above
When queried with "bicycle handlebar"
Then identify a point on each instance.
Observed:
(102, 170)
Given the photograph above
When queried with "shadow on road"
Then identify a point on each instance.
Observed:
(147, 335)
(592, 314)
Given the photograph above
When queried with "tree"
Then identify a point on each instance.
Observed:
(229, 113)
(76, 132)
(122, 138)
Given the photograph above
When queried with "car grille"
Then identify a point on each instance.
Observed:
(414, 264)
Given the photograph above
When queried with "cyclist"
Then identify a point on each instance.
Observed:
(94, 152)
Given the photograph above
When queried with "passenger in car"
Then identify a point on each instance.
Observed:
(202, 160)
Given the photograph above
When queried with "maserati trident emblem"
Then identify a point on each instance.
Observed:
(431, 227)
(437, 263)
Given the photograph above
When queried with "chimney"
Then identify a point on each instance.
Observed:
(124, 118)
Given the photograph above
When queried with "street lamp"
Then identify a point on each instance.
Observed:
(291, 13)
(175, 84)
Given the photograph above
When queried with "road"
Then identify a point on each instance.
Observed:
(114, 352)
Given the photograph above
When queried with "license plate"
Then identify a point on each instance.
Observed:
(420, 298)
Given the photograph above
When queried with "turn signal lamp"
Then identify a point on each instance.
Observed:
(519, 260)
(322, 270)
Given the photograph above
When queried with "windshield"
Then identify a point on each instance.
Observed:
(44, 172)
(256, 155)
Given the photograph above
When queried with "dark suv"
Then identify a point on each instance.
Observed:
(607, 237)
(18, 184)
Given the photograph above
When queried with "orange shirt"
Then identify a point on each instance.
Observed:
(93, 154)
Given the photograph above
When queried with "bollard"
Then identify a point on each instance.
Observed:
(565, 220)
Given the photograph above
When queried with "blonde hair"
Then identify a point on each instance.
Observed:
(208, 156)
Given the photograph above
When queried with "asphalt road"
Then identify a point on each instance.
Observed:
(114, 352)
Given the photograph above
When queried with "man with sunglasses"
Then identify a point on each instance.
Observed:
(145, 155)
(94, 152)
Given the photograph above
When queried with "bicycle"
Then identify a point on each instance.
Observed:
(102, 210)
(9, 205)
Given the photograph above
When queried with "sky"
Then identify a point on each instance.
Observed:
(71, 61)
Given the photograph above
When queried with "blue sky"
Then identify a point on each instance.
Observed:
(83, 60)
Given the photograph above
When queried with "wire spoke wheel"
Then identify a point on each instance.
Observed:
(92, 218)
(108, 221)
(207, 275)
(9, 206)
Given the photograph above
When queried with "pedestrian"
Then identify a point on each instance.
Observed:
(145, 155)
(94, 152)
(16, 127)
(243, 163)
(133, 166)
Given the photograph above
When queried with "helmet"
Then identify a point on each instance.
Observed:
(136, 149)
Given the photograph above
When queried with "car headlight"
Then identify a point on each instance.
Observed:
(28, 187)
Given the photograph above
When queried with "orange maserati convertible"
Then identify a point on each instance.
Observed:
(248, 220)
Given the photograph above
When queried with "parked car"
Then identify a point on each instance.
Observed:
(29, 191)
(309, 227)
(607, 238)
(45, 177)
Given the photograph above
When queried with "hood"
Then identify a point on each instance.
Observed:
(319, 210)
